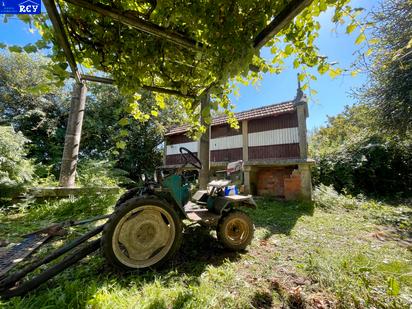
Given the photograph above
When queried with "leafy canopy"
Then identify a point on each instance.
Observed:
(225, 28)
(42, 118)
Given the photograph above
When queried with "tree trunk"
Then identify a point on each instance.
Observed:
(72, 138)
(204, 155)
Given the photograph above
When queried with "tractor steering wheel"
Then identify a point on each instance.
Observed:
(196, 163)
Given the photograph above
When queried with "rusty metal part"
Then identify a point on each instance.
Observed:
(32, 241)
(21, 251)
(57, 229)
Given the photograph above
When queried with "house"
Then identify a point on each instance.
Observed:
(271, 141)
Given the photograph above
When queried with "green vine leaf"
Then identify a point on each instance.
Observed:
(350, 28)
(360, 38)
(123, 122)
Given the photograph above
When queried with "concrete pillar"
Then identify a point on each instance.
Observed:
(245, 140)
(204, 153)
(247, 179)
(164, 152)
(73, 135)
(306, 181)
(303, 146)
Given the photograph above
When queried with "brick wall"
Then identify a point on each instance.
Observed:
(279, 182)
(270, 180)
(293, 186)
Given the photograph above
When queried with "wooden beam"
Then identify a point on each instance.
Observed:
(109, 81)
(131, 20)
(168, 91)
(204, 144)
(289, 12)
(97, 79)
(61, 37)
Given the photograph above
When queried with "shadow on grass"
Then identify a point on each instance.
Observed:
(78, 285)
(279, 217)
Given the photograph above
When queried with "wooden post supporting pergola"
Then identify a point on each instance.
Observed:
(74, 126)
(73, 136)
(204, 154)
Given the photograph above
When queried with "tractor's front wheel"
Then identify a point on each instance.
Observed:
(141, 233)
(235, 230)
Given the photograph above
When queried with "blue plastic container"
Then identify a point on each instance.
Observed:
(231, 190)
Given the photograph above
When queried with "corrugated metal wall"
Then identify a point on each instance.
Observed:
(175, 148)
(177, 139)
(289, 120)
(275, 137)
(227, 142)
(227, 155)
(286, 151)
(175, 159)
(225, 130)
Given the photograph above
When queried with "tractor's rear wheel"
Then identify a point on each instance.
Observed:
(235, 230)
(141, 233)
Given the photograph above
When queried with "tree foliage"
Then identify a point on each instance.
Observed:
(389, 84)
(31, 102)
(355, 155)
(109, 130)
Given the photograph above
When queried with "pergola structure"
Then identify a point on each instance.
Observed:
(73, 132)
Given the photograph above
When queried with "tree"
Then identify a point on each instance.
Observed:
(389, 85)
(33, 104)
(111, 132)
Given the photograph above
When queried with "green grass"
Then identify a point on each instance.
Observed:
(301, 257)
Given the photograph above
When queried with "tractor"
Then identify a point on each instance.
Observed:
(145, 229)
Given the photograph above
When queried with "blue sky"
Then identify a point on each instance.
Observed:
(333, 94)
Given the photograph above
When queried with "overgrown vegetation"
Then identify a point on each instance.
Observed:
(15, 169)
(354, 153)
(342, 255)
(349, 251)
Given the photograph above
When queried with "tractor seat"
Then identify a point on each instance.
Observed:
(219, 183)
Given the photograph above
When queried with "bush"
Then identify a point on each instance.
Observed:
(15, 170)
(100, 173)
(355, 155)
(374, 166)
(328, 198)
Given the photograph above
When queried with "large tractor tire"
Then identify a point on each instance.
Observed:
(235, 230)
(143, 232)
